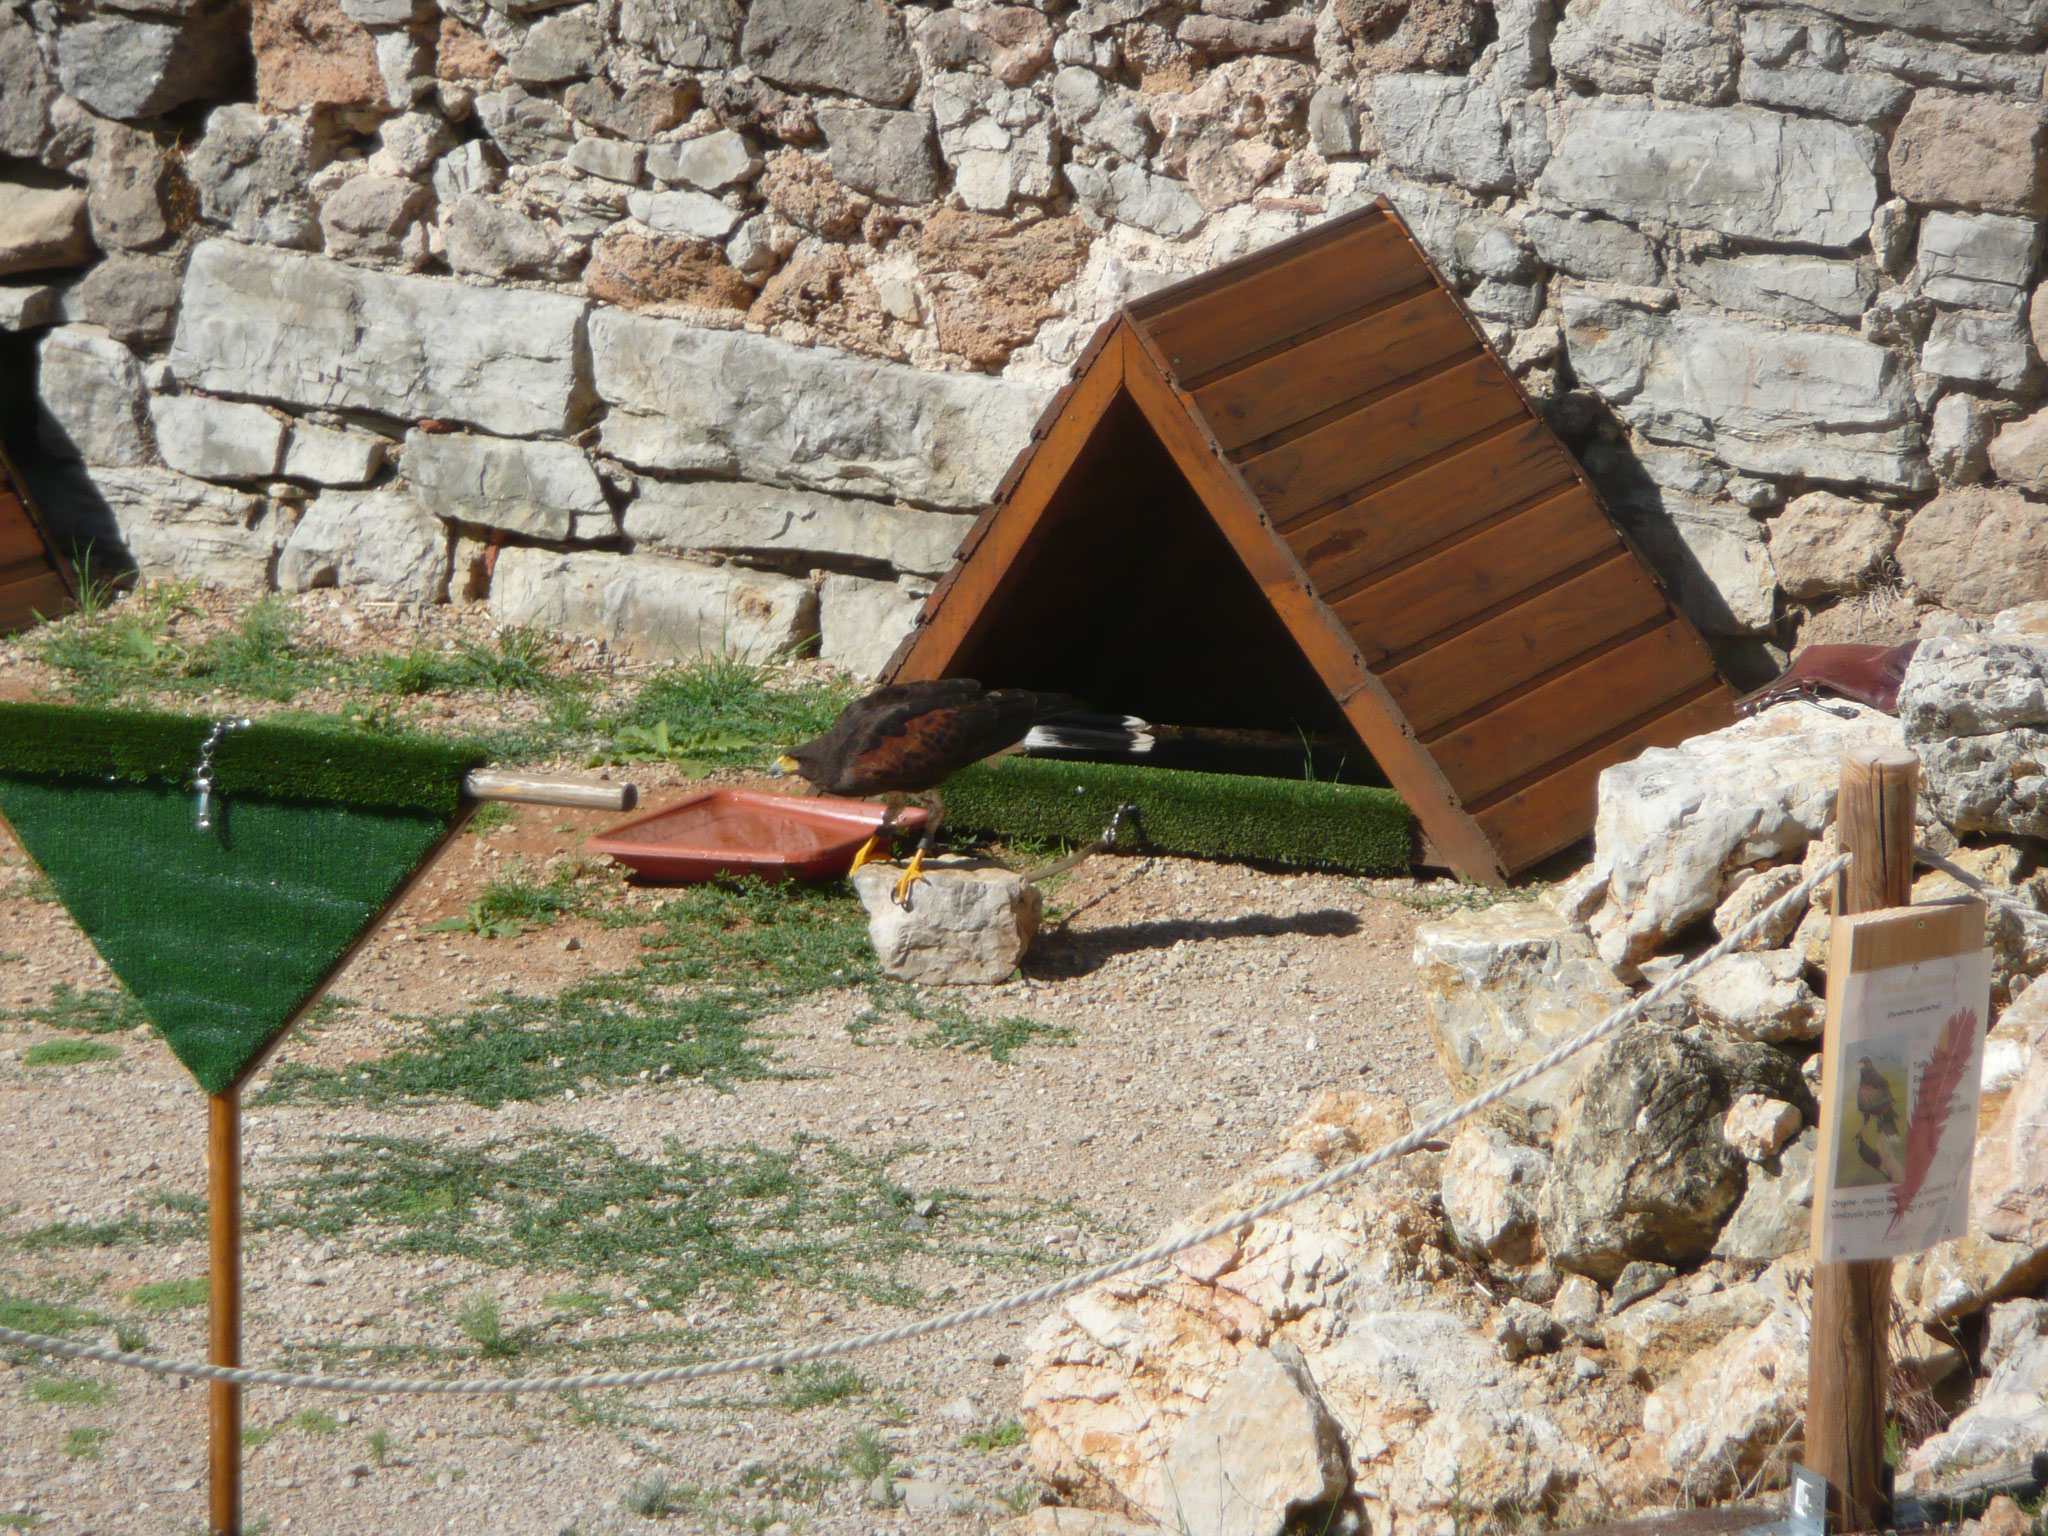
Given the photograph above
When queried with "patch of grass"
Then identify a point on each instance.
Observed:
(1464, 896)
(579, 1303)
(378, 1444)
(70, 1392)
(103, 1011)
(659, 1499)
(82, 1441)
(953, 1027)
(489, 817)
(69, 1053)
(728, 712)
(261, 657)
(169, 1295)
(813, 1386)
(315, 1421)
(997, 1438)
(130, 1339)
(1022, 1499)
(863, 1455)
(34, 886)
(814, 1215)
(517, 663)
(54, 1318)
(483, 1324)
(187, 1224)
(18, 1520)
(109, 650)
(255, 1436)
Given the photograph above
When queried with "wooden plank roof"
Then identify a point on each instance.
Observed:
(1434, 550)
(34, 583)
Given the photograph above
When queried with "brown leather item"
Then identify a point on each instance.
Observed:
(1866, 674)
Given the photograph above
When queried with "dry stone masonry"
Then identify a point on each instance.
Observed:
(677, 300)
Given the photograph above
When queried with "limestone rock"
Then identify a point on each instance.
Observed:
(690, 34)
(129, 66)
(1442, 126)
(532, 488)
(292, 328)
(91, 392)
(1503, 986)
(646, 109)
(1968, 151)
(1525, 1329)
(1262, 1447)
(1973, 685)
(1757, 1127)
(217, 439)
(27, 306)
(250, 172)
(1598, 249)
(488, 238)
(697, 215)
(728, 517)
(468, 168)
(2009, 1187)
(1972, 549)
(1775, 1219)
(802, 416)
(1620, 46)
(563, 45)
(1709, 1429)
(1642, 1170)
(1959, 438)
(645, 605)
(1824, 545)
(1653, 1339)
(1675, 822)
(1129, 194)
(1771, 401)
(1757, 996)
(1640, 1279)
(2007, 1419)
(637, 270)
(1978, 348)
(1754, 894)
(1982, 260)
(128, 189)
(855, 46)
(379, 545)
(1809, 289)
(1848, 95)
(528, 129)
(368, 218)
(2019, 454)
(329, 457)
(968, 924)
(312, 53)
(991, 282)
(133, 298)
(42, 228)
(26, 90)
(711, 163)
(2010, 1326)
(608, 159)
(191, 530)
(1750, 174)
(1490, 1184)
(1954, 1279)
(884, 154)
(861, 622)
(1991, 23)
(412, 142)
(1715, 557)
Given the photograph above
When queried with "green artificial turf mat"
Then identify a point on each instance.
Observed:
(1349, 827)
(222, 936)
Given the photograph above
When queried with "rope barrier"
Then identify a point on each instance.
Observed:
(1057, 1290)
(2026, 914)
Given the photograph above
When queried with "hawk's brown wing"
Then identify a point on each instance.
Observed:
(911, 744)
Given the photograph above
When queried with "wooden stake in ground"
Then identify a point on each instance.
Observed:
(224, 1306)
(1847, 1356)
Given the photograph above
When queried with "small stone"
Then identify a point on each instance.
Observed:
(493, 240)
(135, 298)
(530, 488)
(696, 214)
(131, 67)
(2019, 454)
(1978, 348)
(92, 396)
(635, 270)
(960, 1410)
(312, 53)
(127, 189)
(367, 218)
(1972, 549)
(832, 45)
(42, 228)
(1757, 1127)
(380, 545)
(1489, 1194)
(527, 129)
(1524, 1329)
(1749, 898)
(571, 944)
(609, 159)
(1759, 996)
(1953, 150)
(710, 164)
(969, 922)
(1959, 441)
(1639, 1278)
(27, 306)
(1577, 1303)
(881, 1493)
(217, 439)
(564, 45)
(326, 456)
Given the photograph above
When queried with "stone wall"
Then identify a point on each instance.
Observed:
(693, 324)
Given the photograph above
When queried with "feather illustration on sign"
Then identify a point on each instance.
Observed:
(1939, 1079)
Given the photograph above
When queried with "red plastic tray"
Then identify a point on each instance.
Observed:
(746, 832)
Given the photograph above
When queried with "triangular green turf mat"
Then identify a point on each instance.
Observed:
(223, 936)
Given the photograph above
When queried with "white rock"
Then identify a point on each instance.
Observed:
(1132, 195)
(1262, 1447)
(1654, 1337)
(1622, 46)
(2006, 1419)
(321, 335)
(710, 164)
(1598, 249)
(1973, 685)
(1711, 1428)
(217, 439)
(1750, 174)
(697, 214)
(1443, 126)
(861, 622)
(1978, 348)
(1757, 1127)
(187, 529)
(737, 517)
(1993, 23)
(1490, 1185)
(379, 545)
(1983, 260)
(1577, 1303)
(91, 392)
(1466, 243)
(2019, 454)
(805, 416)
(1973, 549)
(661, 609)
(1824, 545)
(1714, 555)
(1775, 1219)
(327, 456)
(2010, 1326)
(27, 306)
(467, 168)
(611, 159)
(1675, 822)
(1760, 996)
(1755, 893)
(1959, 438)
(1849, 95)
(1776, 402)
(532, 488)
(1810, 289)
(967, 924)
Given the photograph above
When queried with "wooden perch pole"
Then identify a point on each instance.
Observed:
(1848, 1349)
(224, 1286)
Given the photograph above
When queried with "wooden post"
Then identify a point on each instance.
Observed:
(224, 1273)
(1848, 1351)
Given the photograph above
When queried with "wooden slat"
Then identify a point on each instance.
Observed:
(1558, 810)
(1323, 283)
(18, 537)
(43, 593)
(1571, 710)
(1503, 653)
(1507, 468)
(1412, 336)
(1477, 573)
(1410, 424)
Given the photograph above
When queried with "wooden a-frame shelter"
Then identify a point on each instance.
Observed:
(1302, 490)
(34, 583)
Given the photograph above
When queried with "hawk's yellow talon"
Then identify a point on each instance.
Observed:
(865, 853)
(911, 875)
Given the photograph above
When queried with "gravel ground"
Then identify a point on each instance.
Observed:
(1186, 1013)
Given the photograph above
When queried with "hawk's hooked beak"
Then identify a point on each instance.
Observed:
(783, 766)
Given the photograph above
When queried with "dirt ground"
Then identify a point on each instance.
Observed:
(1176, 1015)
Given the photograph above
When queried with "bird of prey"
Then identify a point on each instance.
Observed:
(1874, 1099)
(1886, 1165)
(902, 740)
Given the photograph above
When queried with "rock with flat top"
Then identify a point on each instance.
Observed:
(968, 922)
(1759, 996)
(1262, 1447)
(1756, 1126)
